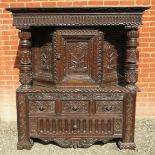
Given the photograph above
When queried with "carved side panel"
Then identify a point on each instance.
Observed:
(42, 57)
(113, 49)
(46, 58)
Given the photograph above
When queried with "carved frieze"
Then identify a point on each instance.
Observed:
(78, 20)
(75, 96)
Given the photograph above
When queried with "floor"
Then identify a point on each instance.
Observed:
(144, 138)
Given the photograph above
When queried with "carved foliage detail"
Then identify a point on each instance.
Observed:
(26, 78)
(25, 57)
(45, 57)
(110, 56)
(77, 61)
(113, 46)
(131, 76)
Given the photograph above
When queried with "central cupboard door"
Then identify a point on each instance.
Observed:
(78, 56)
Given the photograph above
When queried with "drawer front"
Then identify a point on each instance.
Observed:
(41, 106)
(75, 107)
(48, 126)
(109, 107)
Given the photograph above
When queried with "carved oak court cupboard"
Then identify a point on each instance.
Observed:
(78, 69)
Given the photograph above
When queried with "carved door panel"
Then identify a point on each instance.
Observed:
(78, 55)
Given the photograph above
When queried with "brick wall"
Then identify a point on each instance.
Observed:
(9, 72)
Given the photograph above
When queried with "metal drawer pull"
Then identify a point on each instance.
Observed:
(41, 109)
(74, 126)
(109, 108)
(74, 108)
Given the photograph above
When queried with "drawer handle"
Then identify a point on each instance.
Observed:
(74, 127)
(41, 109)
(74, 108)
(109, 108)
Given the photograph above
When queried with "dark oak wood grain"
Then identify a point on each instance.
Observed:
(78, 74)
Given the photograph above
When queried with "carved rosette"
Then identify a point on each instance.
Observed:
(131, 62)
(25, 59)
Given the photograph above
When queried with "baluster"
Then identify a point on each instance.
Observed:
(131, 62)
(25, 59)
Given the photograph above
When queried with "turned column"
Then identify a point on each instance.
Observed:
(131, 76)
(25, 58)
(131, 61)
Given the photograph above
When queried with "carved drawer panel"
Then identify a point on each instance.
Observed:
(42, 106)
(76, 126)
(75, 107)
(109, 106)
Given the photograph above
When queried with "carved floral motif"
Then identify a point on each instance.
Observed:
(26, 79)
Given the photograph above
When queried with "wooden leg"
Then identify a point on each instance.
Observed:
(129, 122)
(22, 126)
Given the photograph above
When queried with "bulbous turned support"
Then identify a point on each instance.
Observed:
(131, 61)
(25, 59)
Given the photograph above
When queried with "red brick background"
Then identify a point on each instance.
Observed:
(9, 72)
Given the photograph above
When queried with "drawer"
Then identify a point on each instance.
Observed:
(81, 107)
(41, 106)
(109, 107)
(57, 126)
